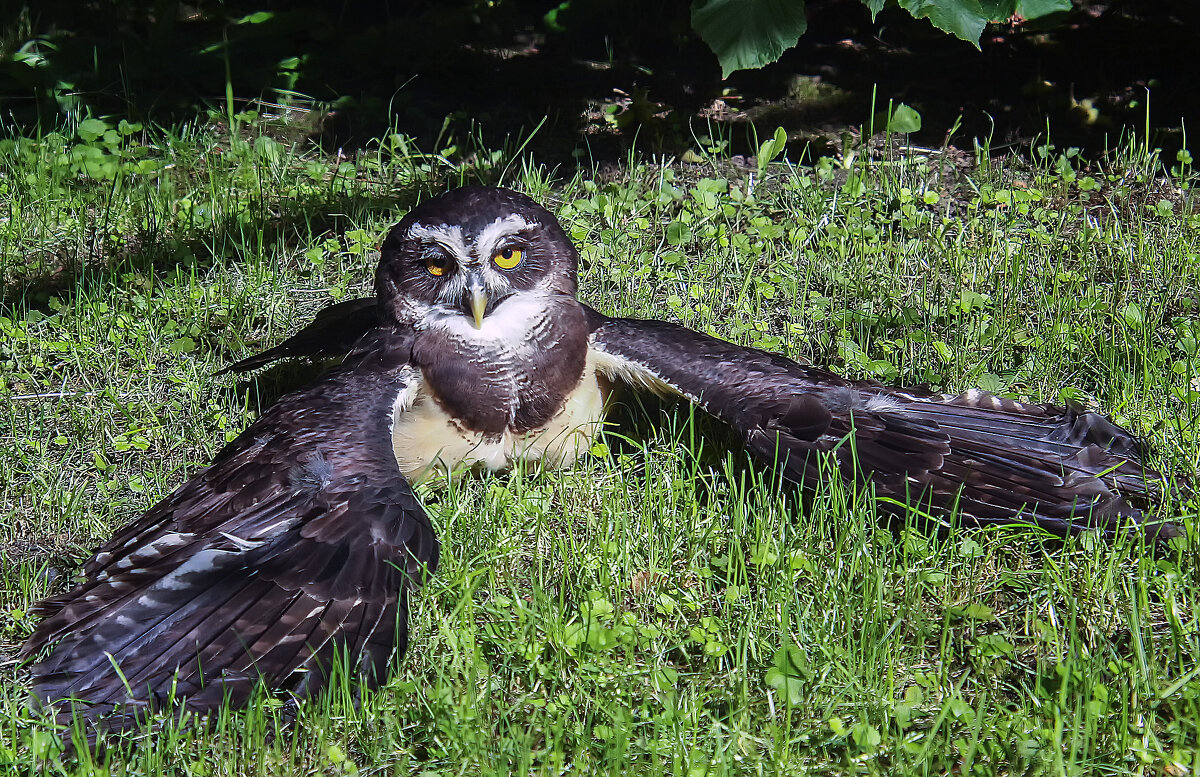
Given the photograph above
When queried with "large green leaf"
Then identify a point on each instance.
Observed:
(962, 18)
(747, 34)
(999, 10)
(1033, 9)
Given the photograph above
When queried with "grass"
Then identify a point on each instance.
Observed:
(661, 609)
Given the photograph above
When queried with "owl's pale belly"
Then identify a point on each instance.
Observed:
(427, 440)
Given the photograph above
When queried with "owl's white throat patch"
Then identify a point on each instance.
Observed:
(512, 322)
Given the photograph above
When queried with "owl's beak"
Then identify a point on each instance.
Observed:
(477, 299)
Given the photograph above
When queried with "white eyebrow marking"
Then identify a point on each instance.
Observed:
(449, 236)
(491, 236)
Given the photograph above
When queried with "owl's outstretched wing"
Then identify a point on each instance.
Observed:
(983, 457)
(293, 549)
(332, 332)
(986, 458)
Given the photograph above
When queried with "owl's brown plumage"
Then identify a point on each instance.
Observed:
(298, 545)
(300, 540)
(981, 457)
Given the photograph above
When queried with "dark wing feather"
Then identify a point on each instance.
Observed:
(297, 543)
(992, 460)
(333, 332)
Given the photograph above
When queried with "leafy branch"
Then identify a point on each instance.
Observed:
(748, 34)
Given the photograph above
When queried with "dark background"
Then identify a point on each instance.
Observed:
(607, 77)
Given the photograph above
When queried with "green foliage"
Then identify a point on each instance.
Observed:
(999, 10)
(903, 119)
(964, 19)
(747, 34)
(771, 149)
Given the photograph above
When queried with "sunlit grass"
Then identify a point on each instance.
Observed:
(664, 608)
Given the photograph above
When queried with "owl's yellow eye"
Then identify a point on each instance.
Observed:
(436, 265)
(508, 259)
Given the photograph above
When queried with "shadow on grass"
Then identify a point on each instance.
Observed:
(155, 251)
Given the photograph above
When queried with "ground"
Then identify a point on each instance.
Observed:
(664, 608)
